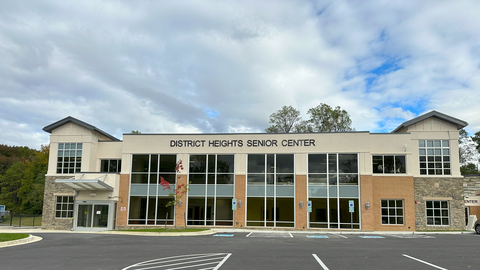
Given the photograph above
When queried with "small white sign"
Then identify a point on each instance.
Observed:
(123, 208)
(99, 212)
(234, 204)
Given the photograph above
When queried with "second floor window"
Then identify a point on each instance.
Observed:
(69, 159)
(393, 164)
(434, 157)
(111, 165)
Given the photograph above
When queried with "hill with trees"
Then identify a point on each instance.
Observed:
(22, 178)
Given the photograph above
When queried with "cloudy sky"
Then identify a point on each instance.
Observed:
(225, 66)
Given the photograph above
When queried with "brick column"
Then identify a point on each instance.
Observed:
(240, 195)
(301, 195)
(366, 195)
(180, 211)
(123, 191)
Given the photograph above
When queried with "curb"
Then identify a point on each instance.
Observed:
(29, 239)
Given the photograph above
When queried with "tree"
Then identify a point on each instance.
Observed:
(135, 132)
(463, 133)
(10, 182)
(31, 190)
(325, 119)
(287, 120)
(476, 138)
(177, 194)
(22, 183)
(469, 169)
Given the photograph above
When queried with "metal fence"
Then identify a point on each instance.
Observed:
(8, 218)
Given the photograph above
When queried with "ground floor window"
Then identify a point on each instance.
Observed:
(210, 211)
(334, 213)
(437, 213)
(270, 212)
(64, 207)
(392, 212)
(150, 210)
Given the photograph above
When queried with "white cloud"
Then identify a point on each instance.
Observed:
(165, 66)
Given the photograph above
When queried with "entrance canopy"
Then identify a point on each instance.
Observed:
(85, 184)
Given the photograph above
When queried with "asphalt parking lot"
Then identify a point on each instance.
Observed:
(246, 250)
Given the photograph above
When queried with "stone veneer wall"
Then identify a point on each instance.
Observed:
(49, 222)
(472, 185)
(450, 189)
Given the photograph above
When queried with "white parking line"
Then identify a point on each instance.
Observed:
(340, 235)
(432, 265)
(224, 260)
(290, 235)
(196, 261)
(320, 262)
(249, 234)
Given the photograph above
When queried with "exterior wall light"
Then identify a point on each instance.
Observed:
(301, 204)
(239, 203)
(179, 202)
(367, 205)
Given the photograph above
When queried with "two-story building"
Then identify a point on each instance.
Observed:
(405, 180)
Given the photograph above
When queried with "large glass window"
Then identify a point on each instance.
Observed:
(110, 165)
(148, 199)
(434, 157)
(211, 192)
(437, 213)
(69, 158)
(64, 207)
(270, 190)
(332, 184)
(393, 164)
(392, 212)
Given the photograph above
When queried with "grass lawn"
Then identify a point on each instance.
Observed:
(12, 236)
(167, 230)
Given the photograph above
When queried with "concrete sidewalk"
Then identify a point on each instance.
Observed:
(33, 238)
(225, 230)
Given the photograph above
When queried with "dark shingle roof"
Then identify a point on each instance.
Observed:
(69, 119)
(459, 123)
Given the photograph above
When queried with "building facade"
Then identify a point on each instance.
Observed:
(406, 180)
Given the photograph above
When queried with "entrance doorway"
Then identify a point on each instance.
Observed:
(92, 217)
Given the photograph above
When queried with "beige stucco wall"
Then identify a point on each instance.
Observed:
(73, 133)
(364, 143)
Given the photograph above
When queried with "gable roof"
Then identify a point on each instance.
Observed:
(459, 123)
(69, 119)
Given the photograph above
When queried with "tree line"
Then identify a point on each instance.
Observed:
(323, 118)
(22, 178)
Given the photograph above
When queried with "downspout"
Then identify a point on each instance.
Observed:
(74, 200)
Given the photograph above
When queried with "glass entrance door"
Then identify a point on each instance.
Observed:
(84, 217)
(100, 216)
(90, 216)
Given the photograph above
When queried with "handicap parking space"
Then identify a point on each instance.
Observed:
(271, 234)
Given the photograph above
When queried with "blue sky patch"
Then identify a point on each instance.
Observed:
(211, 113)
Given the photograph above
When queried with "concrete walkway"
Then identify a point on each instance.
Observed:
(32, 238)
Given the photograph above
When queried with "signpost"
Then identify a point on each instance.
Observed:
(234, 207)
(351, 209)
(309, 210)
